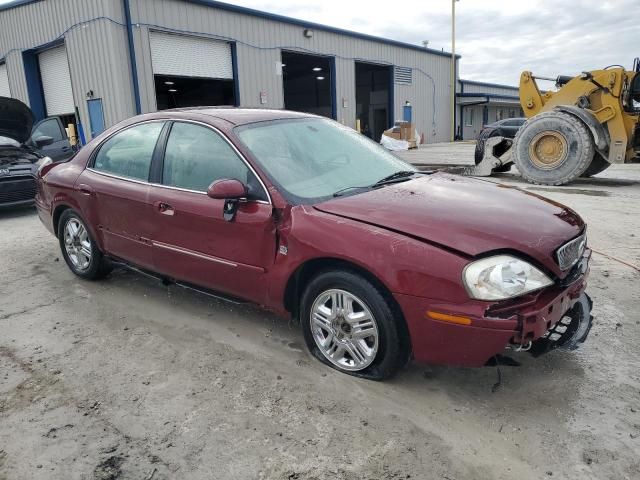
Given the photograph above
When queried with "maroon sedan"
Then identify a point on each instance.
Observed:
(378, 261)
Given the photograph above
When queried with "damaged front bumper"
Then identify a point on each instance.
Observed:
(556, 317)
(572, 329)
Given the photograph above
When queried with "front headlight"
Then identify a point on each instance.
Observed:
(502, 277)
(43, 162)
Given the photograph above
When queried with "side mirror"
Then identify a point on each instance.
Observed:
(227, 189)
(231, 191)
(42, 141)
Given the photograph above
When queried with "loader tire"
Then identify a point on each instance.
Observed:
(480, 142)
(553, 148)
(598, 165)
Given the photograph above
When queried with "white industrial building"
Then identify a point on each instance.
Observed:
(481, 103)
(101, 61)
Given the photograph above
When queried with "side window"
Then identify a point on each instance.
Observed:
(128, 153)
(196, 156)
(48, 128)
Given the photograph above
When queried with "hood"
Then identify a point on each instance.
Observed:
(467, 215)
(16, 119)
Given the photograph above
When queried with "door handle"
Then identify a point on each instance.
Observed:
(65, 148)
(85, 189)
(165, 208)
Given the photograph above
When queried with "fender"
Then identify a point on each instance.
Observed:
(600, 134)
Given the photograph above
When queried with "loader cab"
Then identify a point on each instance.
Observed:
(634, 88)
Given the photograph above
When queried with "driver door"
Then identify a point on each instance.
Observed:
(192, 242)
(60, 148)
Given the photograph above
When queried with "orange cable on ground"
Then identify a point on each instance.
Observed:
(635, 267)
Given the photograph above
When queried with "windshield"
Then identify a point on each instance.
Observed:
(311, 159)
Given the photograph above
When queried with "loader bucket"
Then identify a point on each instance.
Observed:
(497, 152)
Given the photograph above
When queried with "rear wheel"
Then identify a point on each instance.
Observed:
(349, 325)
(553, 148)
(79, 249)
(598, 165)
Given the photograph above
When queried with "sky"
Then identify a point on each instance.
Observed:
(496, 38)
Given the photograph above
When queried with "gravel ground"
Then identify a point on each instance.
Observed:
(129, 379)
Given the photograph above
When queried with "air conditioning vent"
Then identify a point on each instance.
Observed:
(403, 75)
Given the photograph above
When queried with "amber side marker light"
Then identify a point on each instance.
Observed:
(443, 317)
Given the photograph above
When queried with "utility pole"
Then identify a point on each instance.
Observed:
(453, 69)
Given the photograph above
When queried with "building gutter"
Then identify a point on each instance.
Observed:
(132, 56)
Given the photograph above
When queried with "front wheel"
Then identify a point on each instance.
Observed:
(349, 325)
(553, 148)
(79, 249)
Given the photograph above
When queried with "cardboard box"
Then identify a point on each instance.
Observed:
(393, 133)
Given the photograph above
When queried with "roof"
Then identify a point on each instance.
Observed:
(486, 84)
(231, 115)
(284, 19)
(242, 116)
(487, 95)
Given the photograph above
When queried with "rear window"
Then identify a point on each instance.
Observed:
(128, 153)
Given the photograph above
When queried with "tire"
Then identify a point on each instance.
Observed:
(382, 354)
(568, 137)
(598, 165)
(486, 134)
(79, 249)
(482, 138)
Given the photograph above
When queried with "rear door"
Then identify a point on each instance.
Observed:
(115, 192)
(52, 127)
(191, 239)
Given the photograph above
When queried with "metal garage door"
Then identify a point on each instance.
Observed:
(4, 81)
(56, 81)
(190, 56)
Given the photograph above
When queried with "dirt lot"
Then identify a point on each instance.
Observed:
(129, 379)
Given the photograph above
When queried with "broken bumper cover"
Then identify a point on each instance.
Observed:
(572, 329)
(559, 316)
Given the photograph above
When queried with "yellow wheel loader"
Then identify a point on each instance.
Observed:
(589, 123)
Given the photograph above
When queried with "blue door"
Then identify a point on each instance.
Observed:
(96, 116)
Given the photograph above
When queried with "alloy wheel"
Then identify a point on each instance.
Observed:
(77, 244)
(344, 329)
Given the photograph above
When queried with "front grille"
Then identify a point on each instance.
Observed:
(17, 189)
(569, 254)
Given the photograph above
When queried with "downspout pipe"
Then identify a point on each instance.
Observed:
(132, 56)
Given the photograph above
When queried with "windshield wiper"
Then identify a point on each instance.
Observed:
(402, 174)
(396, 177)
(342, 191)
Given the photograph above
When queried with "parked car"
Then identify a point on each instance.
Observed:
(60, 149)
(19, 154)
(304, 216)
(507, 128)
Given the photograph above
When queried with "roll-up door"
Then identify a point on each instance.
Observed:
(186, 56)
(4, 81)
(56, 81)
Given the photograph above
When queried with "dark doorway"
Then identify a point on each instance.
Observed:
(307, 82)
(373, 98)
(176, 92)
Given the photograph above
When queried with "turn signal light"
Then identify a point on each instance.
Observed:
(444, 317)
